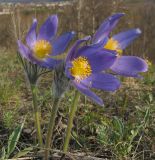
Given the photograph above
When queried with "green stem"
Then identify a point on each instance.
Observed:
(36, 114)
(70, 121)
(51, 127)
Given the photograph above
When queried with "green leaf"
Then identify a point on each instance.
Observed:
(150, 97)
(75, 137)
(103, 134)
(118, 127)
(134, 133)
(13, 139)
(147, 116)
(3, 154)
(23, 152)
(129, 148)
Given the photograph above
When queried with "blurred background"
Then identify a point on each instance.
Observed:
(82, 16)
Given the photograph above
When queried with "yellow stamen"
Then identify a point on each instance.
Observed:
(113, 45)
(81, 68)
(42, 49)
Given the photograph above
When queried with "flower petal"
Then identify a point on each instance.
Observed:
(129, 66)
(27, 54)
(67, 71)
(50, 63)
(23, 50)
(86, 91)
(46, 63)
(60, 44)
(73, 51)
(89, 49)
(31, 35)
(100, 60)
(106, 27)
(102, 81)
(125, 38)
(49, 28)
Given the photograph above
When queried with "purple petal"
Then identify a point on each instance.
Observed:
(49, 28)
(50, 63)
(129, 66)
(89, 49)
(67, 71)
(73, 50)
(46, 63)
(125, 38)
(100, 60)
(31, 35)
(102, 81)
(86, 91)
(60, 44)
(106, 27)
(24, 51)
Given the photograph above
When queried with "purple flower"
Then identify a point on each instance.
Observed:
(84, 66)
(41, 48)
(129, 66)
(106, 27)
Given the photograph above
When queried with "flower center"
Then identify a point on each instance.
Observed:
(80, 69)
(113, 45)
(42, 49)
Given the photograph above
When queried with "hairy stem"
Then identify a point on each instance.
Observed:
(36, 115)
(51, 127)
(70, 121)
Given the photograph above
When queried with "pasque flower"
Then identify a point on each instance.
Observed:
(38, 54)
(85, 65)
(41, 48)
(129, 66)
